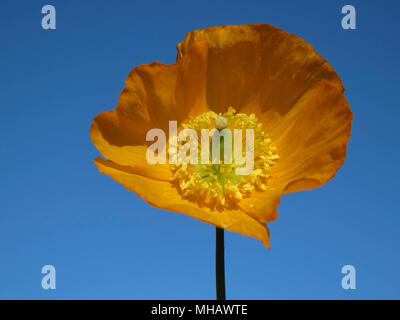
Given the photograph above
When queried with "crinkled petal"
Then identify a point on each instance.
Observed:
(294, 92)
(162, 194)
(154, 94)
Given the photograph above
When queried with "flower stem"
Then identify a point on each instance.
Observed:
(220, 264)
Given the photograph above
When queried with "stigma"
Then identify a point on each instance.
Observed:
(221, 122)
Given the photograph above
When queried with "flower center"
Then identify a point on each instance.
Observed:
(217, 184)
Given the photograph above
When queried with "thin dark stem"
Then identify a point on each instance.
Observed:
(220, 264)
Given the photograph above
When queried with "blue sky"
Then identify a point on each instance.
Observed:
(107, 243)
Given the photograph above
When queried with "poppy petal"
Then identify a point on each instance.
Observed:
(293, 91)
(258, 68)
(312, 139)
(163, 195)
(262, 205)
(154, 94)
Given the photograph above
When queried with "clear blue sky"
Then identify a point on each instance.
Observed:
(107, 243)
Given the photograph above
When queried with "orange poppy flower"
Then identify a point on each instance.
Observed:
(248, 76)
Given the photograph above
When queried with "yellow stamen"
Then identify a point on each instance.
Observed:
(217, 185)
